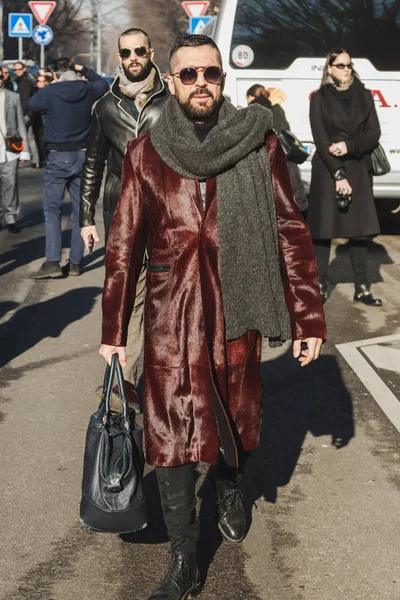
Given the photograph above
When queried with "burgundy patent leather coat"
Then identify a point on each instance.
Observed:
(201, 392)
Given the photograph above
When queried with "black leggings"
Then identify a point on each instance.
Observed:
(358, 257)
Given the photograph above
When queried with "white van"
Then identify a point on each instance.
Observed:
(282, 45)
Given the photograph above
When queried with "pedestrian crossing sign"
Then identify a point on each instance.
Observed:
(197, 24)
(20, 24)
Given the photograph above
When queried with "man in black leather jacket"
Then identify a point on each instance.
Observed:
(130, 108)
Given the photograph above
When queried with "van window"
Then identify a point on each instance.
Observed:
(279, 31)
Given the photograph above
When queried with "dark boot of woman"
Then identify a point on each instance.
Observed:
(363, 294)
(178, 501)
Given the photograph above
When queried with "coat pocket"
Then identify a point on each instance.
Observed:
(158, 268)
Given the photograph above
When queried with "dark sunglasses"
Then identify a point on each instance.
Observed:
(140, 51)
(342, 66)
(1, 76)
(189, 75)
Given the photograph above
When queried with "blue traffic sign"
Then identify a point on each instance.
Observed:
(197, 24)
(20, 24)
(42, 35)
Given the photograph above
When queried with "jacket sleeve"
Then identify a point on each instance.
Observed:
(321, 136)
(92, 175)
(38, 101)
(98, 85)
(25, 90)
(21, 125)
(368, 138)
(124, 257)
(298, 266)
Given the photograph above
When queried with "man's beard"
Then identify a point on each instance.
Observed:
(143, 73)
(199, 113)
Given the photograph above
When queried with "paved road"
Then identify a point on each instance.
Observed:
(322, 492)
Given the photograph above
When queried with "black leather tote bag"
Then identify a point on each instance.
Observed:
(112, 490)
(292, 147)
(380, 163)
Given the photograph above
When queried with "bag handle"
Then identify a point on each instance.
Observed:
(109, 376)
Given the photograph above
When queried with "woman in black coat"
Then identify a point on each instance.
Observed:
(259, 95)
(346, 129)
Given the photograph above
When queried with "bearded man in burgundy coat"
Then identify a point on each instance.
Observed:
(230, 260)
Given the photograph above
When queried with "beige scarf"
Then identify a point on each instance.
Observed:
(137, 90)
(340, 87)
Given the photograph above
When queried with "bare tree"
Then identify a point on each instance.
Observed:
(67, 24)
(165, 22)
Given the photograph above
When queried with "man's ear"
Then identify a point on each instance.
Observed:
(152, 55)
(171, 85)
(223, 81)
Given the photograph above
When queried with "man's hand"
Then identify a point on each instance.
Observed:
(310, 354)
(88, 231)
(107, 351)
(78, 67)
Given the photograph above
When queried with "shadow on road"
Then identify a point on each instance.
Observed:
(296, 402)
(31, 324)
(24, 253)
(6, 307)
(32, 219)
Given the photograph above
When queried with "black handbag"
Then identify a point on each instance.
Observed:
(14, 143)
(380, 163)
(112, 489)
(292, 147)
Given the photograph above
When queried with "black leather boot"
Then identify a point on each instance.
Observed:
(363, 294)
(232, 517)
(182, 581)
(178, 501)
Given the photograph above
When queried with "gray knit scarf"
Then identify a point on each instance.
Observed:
(234, 152)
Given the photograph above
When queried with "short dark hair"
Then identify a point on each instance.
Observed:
(62, 65)
(191, 41)
(19, 62)
(133, 31)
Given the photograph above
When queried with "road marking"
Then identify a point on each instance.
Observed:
(384, 357)
(378, 389)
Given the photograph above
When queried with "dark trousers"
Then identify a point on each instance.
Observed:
(178, 501)
(358, 258)
(62, 171)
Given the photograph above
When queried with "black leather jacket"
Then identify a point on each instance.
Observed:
(113, 126)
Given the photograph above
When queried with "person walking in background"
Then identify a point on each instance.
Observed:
(7, 82)
(38, 119)
(257, 94)
(67, 104)
(346, 129)
(208, 194)
(26, 88)
(11, 124)
(130, 108)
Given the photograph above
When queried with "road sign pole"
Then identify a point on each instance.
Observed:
(20, 48)
(42, 66)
